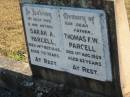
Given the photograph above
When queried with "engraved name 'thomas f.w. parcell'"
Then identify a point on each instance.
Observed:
(81, 38)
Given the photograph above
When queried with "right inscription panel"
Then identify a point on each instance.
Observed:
(86, 44)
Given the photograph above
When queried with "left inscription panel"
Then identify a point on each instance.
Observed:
(43, 36)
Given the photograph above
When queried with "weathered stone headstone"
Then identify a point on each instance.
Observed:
(73, 42)
(68, 40)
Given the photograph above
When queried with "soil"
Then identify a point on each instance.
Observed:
(8, 93)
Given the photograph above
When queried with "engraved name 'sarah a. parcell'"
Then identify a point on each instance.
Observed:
(69, 40)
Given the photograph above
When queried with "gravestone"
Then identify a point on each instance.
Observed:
(73, 42)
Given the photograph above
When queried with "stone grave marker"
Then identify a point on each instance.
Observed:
(73, 42)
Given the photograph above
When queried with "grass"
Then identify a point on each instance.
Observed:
(11, 32)
(19, 56)
(128, 8)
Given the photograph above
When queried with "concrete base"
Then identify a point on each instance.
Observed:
(123, 38)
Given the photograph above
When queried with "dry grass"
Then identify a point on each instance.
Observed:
(128, 8)
(11, 32)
